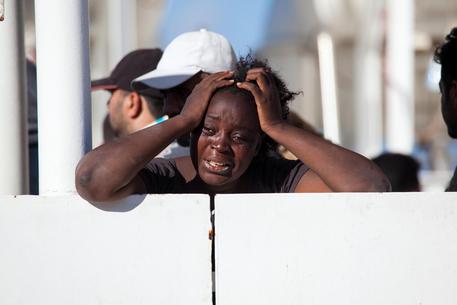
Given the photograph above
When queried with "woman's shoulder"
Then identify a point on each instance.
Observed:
(276, 174)
(172, 166)
(186, 168)
(163, 175)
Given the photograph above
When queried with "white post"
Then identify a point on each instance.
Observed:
(13, 126)
(63, 91)
(330, 115)
(368, 129)
(122, 29)
(2, 10)
(400, 76)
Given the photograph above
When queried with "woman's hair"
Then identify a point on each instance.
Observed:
(446, 55)
(285, 95)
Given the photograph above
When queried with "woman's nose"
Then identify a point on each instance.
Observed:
(221, 143)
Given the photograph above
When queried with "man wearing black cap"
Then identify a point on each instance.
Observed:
(131, 110)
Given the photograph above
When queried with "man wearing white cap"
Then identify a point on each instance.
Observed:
(184, 63)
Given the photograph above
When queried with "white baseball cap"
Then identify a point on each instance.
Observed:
(185, 56)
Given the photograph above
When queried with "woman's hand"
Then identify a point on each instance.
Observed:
(198, 100)
(266, 97)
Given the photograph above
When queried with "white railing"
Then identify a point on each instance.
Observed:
(394, 248)
(62, 251)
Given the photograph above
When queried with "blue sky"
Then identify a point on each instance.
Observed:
(244, 23)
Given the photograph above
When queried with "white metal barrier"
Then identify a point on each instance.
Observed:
(287, 249)
(62, 250)
(352, 249)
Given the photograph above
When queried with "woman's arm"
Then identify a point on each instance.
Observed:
(110, 171)
(332, 168)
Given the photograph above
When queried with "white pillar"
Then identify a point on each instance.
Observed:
(62, 37)
(2, 10)
(400, 76)
(121, 29)
(13, 126)
(368, 122)
(330, 115)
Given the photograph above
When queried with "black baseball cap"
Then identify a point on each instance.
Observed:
(131, 66)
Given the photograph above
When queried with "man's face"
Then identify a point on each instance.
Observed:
(175, 98)
(117, 118)
(449, 105)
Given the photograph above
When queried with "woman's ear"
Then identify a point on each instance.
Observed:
(134, 106)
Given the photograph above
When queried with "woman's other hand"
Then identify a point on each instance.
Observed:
(262, 86)
(197, 102)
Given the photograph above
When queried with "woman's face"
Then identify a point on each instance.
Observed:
(228, 141)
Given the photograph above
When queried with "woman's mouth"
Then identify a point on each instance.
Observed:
(216, 167)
